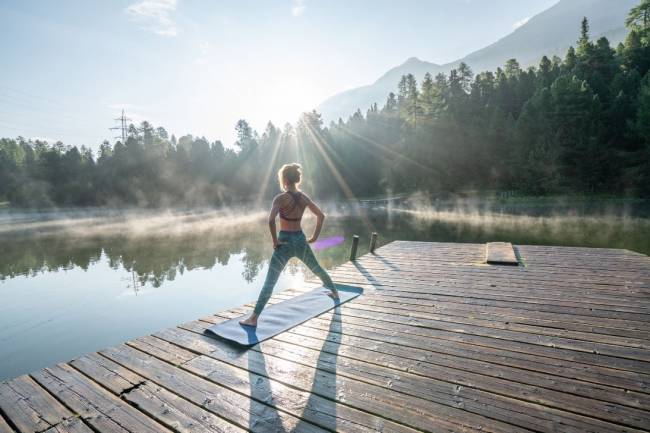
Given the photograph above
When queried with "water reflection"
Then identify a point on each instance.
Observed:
(155, 249)
(151, 258)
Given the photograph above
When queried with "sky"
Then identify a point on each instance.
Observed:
(69, 67)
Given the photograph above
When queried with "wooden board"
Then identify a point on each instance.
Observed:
(29, 407)
(74, 425)
(4, 427)
(100, 409)
(500, 253)
(440, 341)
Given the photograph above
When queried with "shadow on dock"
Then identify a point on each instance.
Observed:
(321, 403)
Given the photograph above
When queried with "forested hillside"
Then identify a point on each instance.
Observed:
(550, 33)
(580, 124)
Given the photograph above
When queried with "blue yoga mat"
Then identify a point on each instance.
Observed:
(284, 315)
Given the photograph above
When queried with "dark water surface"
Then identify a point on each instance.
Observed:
(72, 283)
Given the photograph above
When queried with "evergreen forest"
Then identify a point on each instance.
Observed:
(573, 125)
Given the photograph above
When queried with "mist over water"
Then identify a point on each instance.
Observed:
(604, 228)
(76, 281)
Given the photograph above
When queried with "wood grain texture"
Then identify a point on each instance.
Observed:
(29, 406)
(4, 427)
(500, 253)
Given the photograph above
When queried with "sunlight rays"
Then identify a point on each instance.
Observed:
(320, 145)
(386, 149)
(267, 175)
(302, 158)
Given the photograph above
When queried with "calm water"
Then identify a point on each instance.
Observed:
(74, 282)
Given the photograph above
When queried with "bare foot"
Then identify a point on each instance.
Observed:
(251, 321)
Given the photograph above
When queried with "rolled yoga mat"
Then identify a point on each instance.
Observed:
(284, 315)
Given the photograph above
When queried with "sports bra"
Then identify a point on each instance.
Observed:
(295, 198)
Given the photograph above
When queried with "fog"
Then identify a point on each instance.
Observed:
(132, 223)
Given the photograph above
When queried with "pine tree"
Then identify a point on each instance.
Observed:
(570, 60)
(244, 133)
(512, 68)
(583, 41)
(638, 20)
(427, 94)
(391, 104)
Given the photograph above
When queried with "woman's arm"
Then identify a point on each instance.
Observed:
(320, 217)
(275, 208)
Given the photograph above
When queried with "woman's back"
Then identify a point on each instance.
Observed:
(292, 205)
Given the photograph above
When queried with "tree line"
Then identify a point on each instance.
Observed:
(578, 124)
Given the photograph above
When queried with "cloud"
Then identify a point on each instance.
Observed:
(155, 15)
(298, 8)
(204, 51)
(520, 23)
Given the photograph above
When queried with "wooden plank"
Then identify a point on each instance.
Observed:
(422, 338)
(235, 407)
(585, 278)
(540, 326)
(629, 358)
(592, 341)
(100, 370)
(100, 409)
(545, 256)
(418, 413)
(580, 277)
(359, 366)
(301, 404)
(509, 285)
(368, 328)
(531, 317)
(4, 427)
(176, 412)
(162, 349)
(381, 340)
(579, 312)
(522, 414)
(427, 363)
(595, 353)
(500, 253)
(456, 306)
(517, 281)
(594, 275)
(74, 425)
(29, 407)
(158, 403)
(214, 349)
(417, 287)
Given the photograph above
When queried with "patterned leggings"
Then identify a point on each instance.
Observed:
(292, 244)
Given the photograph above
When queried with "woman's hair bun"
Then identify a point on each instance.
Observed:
(289, 174)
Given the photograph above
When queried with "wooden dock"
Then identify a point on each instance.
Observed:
(440, 341)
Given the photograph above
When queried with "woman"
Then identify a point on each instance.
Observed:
(291, 242)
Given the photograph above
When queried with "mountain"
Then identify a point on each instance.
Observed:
(549, 33)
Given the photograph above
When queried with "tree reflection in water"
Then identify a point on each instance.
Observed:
(157, 248)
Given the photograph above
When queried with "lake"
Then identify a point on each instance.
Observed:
(73, 282)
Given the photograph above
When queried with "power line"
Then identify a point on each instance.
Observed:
(122, 119)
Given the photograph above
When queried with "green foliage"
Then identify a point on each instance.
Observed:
(639, 19)
(581, 125)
